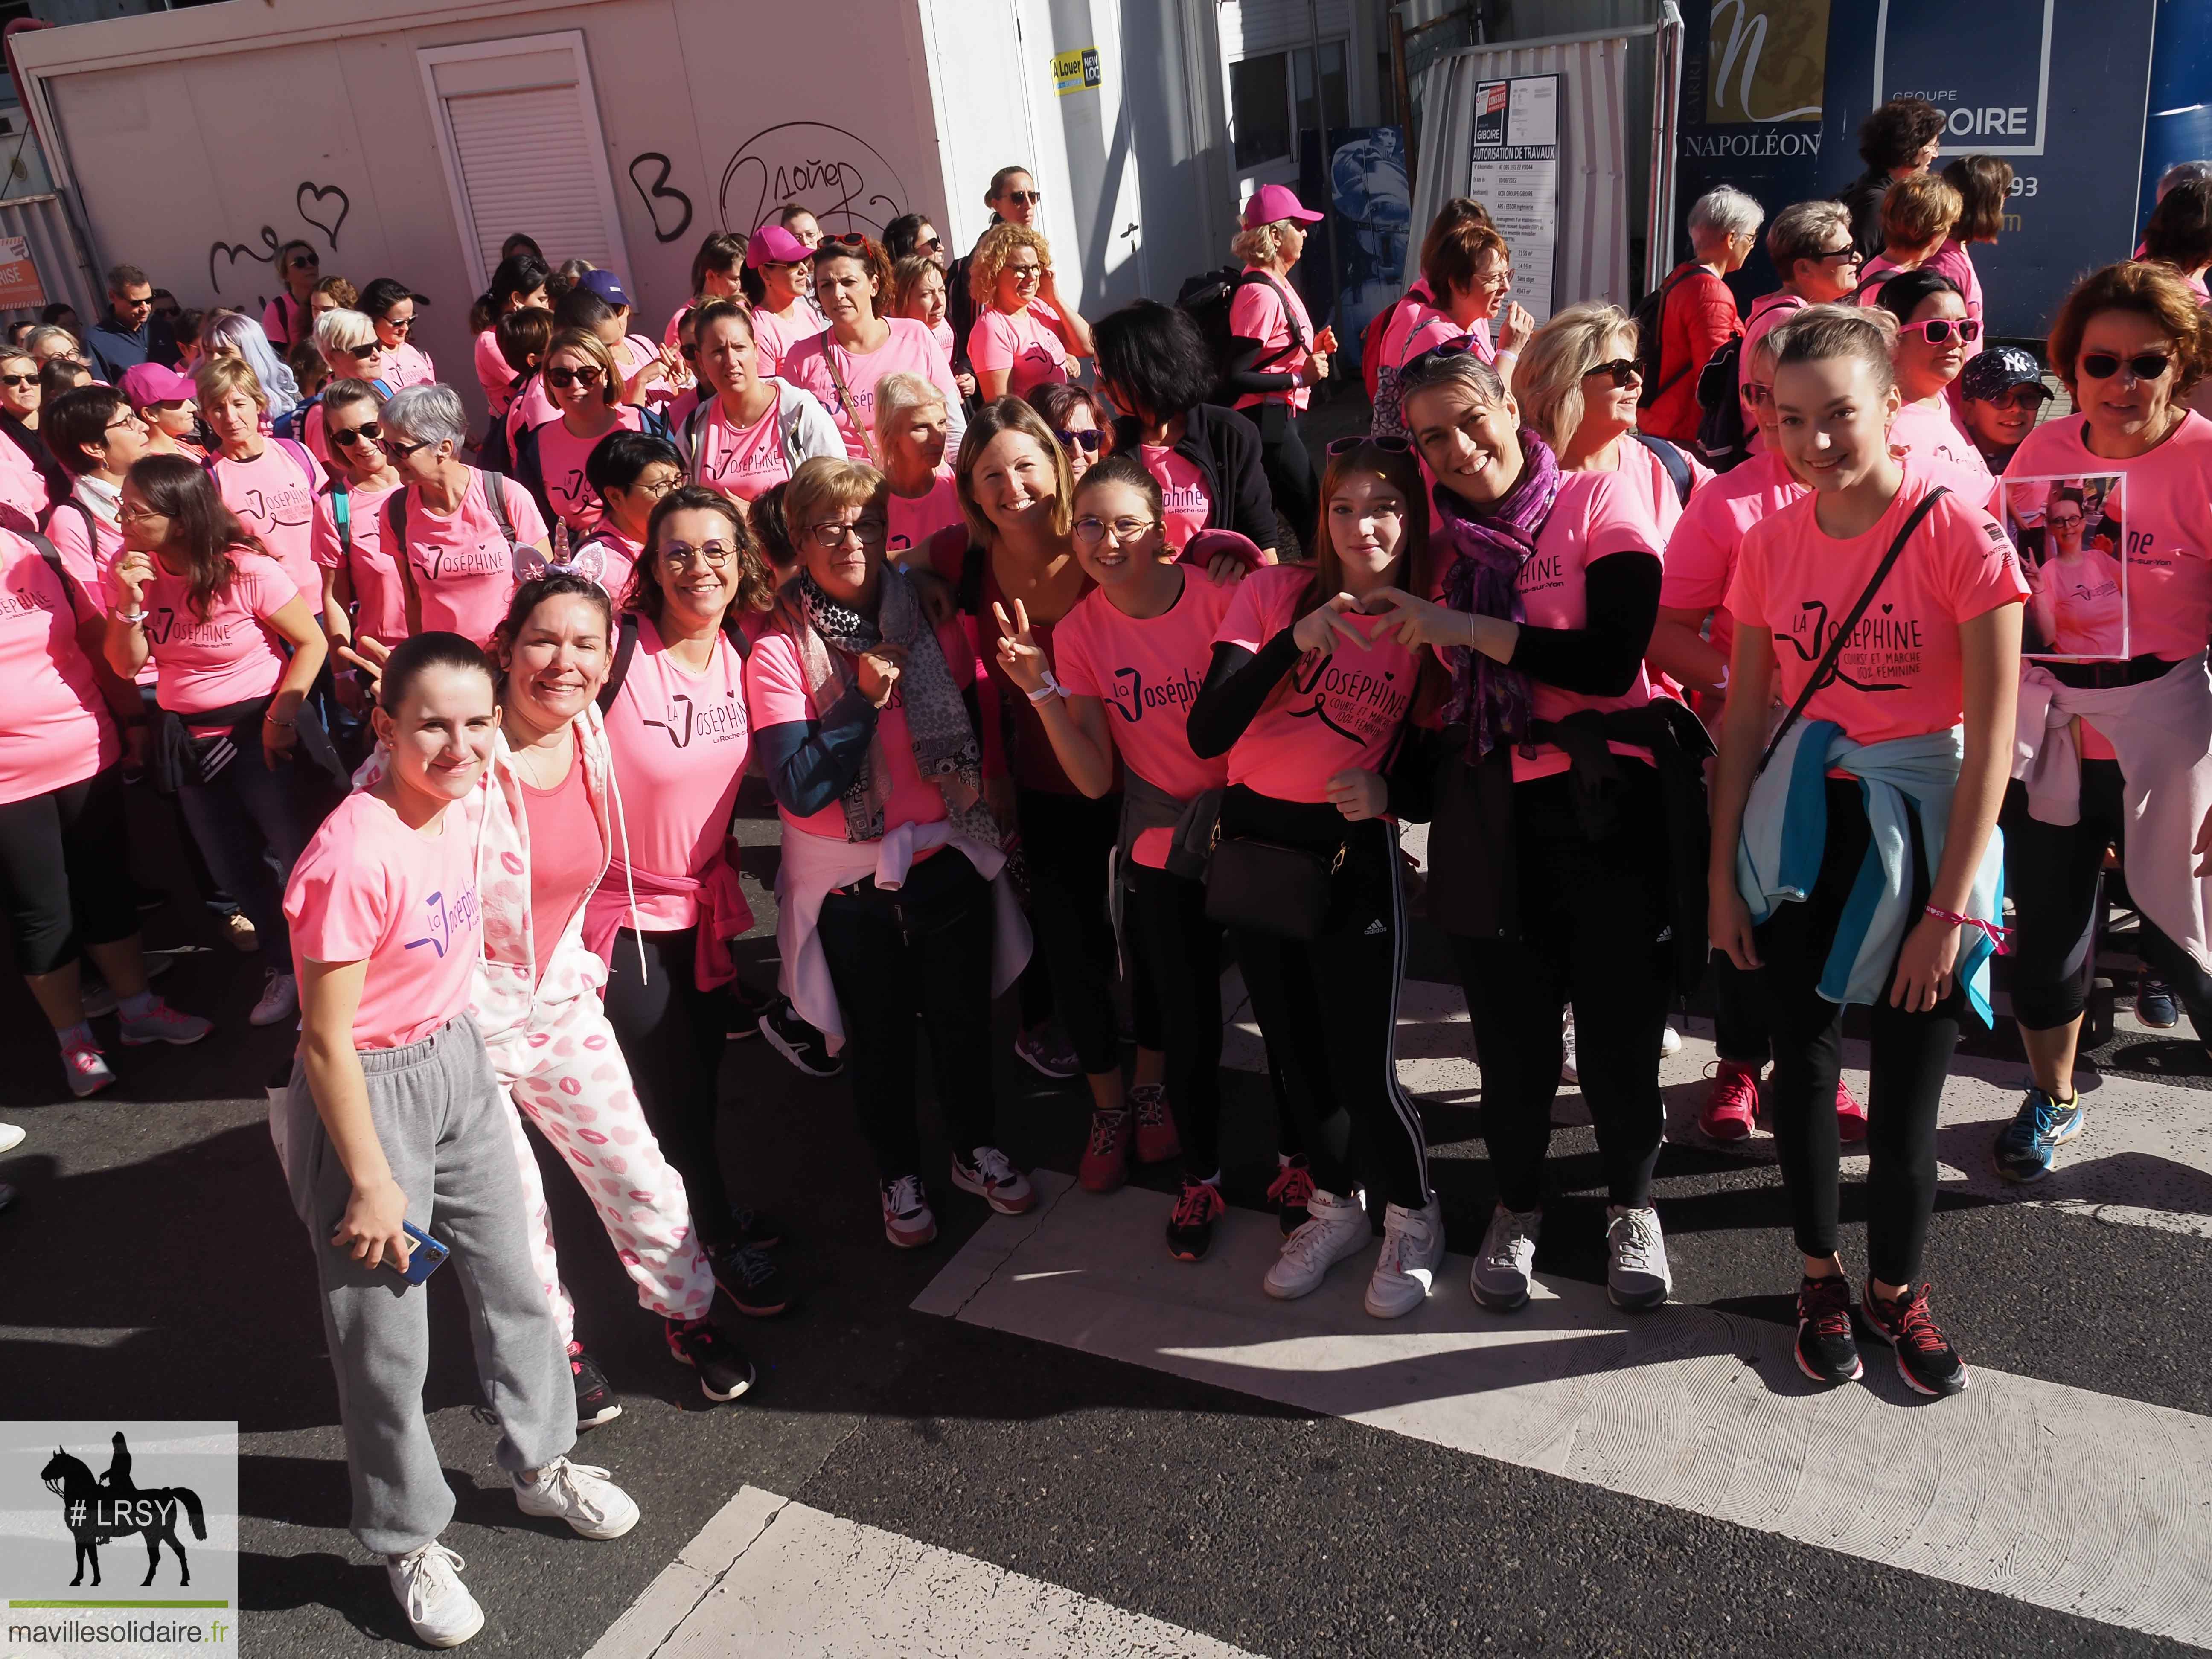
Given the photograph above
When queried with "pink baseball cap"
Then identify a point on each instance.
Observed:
(147, 384)
(1272, 202)
(772, 245)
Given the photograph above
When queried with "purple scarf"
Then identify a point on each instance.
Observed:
(1487, 554)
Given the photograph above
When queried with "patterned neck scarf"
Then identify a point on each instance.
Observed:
(1487, 553)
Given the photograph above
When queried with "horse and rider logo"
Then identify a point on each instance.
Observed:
(99, 1511)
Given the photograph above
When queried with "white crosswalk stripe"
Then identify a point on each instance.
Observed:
(769, 1578)
(2052, 1494)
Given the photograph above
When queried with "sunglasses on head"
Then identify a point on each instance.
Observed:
(844, 238)
(2144, 366)
(565, 377)
(345, 437)
(1087, 440)
(1937, 330)
(1389, 445)
(1625, 371)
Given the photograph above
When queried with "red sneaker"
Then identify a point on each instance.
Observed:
(1105, 1165)
(1850, 1116)
(1732, 1108)
(1156, 1140)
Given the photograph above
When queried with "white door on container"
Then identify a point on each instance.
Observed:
(1081, 94)
(519, 131)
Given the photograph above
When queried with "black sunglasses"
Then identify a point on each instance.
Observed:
(305, 262)
(399, 449)
(2144, 366)
(842, 238)
(346, 437)
(1390, 445)
(18, 381)
(1087, 441)
(1024, 197)
(1624, 370)
(565, 377)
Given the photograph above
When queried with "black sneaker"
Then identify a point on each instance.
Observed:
(595, 1400)
(2155, 1005)
(798, 1042)
(1191, 1229)
(724, 1371)
(750, 1277)
(757, 1229)
(749, 1006)
(1827, 1350)
(1926, 1362)
(1289, 1192)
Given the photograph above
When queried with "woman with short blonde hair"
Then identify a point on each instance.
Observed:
(913, 434)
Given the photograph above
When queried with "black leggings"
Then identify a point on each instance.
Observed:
(673, 1034)
(1591, 916)
(1066, 841)
(1290, 471)
(1912, 1053)
(1175, 953)
(62, 860)
(1329, 1008)
(917, 957)
(2051, 871)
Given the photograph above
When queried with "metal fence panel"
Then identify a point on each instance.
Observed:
(43, 223)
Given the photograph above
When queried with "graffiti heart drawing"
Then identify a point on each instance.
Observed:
(236, 250)
(322, 192)
(658, 193)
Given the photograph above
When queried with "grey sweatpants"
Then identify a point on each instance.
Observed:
(438, 1113)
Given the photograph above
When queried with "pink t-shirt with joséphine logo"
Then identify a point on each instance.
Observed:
(461, 565)
(227, 656)
(58, 730)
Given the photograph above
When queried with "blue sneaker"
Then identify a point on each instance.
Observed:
(2155, 1004)
(2027, 1146)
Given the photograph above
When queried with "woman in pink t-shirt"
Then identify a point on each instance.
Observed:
(1550, 586)
(457, 534)
(271, 483)
(1079, 421)
(236, 649)
(1985, 187)
(752, 430)
(912, 417)
(519, 284)
(1275, 355)
(2131, 344)
(1910, 705)
(63, 839)
(1313, 698)
(1024, 332)
(363, 598)
(390, 304)
(549, 460)
(918, 291)
(1934, 333)
(288, 318)
(1466, 276)
(394, 1120)
(777, 270)
(885, 894)
(1131, 658)
(841, 365)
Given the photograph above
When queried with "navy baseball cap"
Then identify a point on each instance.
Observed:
(606, 285)
(1989, 375)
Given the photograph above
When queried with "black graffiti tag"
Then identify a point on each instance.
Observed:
(658, 192)
(839, 177)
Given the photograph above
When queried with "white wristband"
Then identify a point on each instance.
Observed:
(1051, 688)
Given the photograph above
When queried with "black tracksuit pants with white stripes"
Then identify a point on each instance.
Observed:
(1329, 1007)
(1591, 914)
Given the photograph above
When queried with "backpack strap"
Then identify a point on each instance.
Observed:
(52, 555)
(298, 450)
(1677, 465)
(625, 649)
(342, 516)
(1659, 323)
(494, 489)
(968, 594)
(1248, 278)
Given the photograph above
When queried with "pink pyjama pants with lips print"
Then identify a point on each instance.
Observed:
(567, 1073)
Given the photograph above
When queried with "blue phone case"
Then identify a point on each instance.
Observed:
(425, 1255)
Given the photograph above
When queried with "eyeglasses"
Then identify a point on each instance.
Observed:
(128, 423)
(399, 449)
(1625, 371)
(1937, 330)
(565, 377)
(2064, 521)
(138, 514)
(1024, 197)
(1759, 393)
(1090, 531)
(347, 436)
(658, 487)
(1389, 445)
(681, 556)
(1087, 440)
(1025, 273)
(2144, 366)
(831, 534)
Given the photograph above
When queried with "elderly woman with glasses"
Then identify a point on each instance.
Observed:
(456, 534)
(1811, 246)
(1023, 333)
(893, 914)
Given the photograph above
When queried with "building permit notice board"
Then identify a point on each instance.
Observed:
(1515, 172)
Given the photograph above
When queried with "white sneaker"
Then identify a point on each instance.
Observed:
(280, 1002)
(1335, 1228)
(1499, 1279)
(11, 1137)
(581, 1495)
(992, 1176)
(1636, 1274)
(1670, 1042)
(427, 1584)
(1567, 1072)
(1412, 1250)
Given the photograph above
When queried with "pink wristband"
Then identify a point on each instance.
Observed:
(1997, 937)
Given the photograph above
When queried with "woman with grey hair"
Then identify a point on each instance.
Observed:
(236, 334)
(453, 530)
(1696, 314)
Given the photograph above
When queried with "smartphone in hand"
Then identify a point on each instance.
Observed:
(425, 1255)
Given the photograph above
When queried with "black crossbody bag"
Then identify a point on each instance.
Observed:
(1824, 671)
(1265, 887)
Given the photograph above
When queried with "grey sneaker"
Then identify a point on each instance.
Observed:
(1499, 1279)
(1635, 1273)
(1413, 1249)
